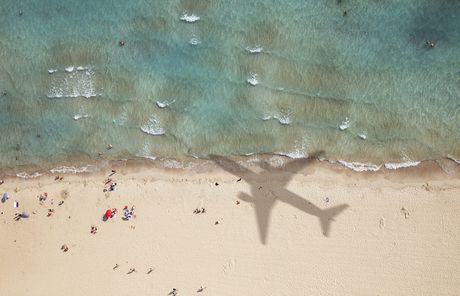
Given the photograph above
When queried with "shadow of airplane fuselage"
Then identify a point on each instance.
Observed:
(264, 199)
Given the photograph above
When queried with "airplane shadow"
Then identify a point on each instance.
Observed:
(264, 197)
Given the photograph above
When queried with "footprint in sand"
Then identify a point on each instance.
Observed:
(382, 223)
(65, 194)
(229, 266)
(426, 186)
(405, 212)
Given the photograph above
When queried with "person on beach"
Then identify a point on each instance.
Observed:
(93, 229)
(5, 197)
(42, 197)
(126, 213)
(113, 186)
(19, 216)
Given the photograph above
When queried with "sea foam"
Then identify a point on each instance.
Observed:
(284, 119)
(73, 84)
(25, 175)
(253, 80)
(300, 148)
(266, 117)
(399, 165)
(80, 115)
(194, 41)
(360, 167)
(362, 136)
(189, 18)
(454, 159)
(256, 49)
(122, 119)
(152, 127)
(344, 124)
(71, 169)
(145, 152)
(164, 104)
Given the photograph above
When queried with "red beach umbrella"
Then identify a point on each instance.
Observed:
(108, 213)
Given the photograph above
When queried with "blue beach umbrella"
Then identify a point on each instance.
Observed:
(5, 196)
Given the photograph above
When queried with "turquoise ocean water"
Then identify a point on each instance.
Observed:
(317, 67)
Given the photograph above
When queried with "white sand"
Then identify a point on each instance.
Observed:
(372, 249)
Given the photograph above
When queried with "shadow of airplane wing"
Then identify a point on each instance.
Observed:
(263, 208)
(325, 216)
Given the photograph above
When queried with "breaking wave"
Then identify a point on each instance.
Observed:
(25, 175)
(71, 169)
(189, 18)
(73, 84)
(399, 165)
(152, 127)
(360, 167)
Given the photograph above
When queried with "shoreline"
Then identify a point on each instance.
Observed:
(447, 165)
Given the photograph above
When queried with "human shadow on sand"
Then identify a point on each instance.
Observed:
(265, 193)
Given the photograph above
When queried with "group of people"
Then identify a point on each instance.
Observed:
(17, 216)
(199, 211)
(127, 213)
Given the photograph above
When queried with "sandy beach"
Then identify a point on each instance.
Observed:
(392, 233)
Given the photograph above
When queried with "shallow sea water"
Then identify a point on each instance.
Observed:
(317, 67)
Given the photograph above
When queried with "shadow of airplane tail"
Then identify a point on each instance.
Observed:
(327, 216)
